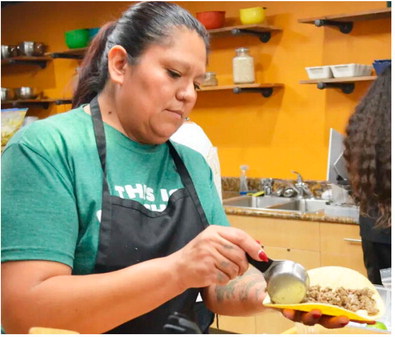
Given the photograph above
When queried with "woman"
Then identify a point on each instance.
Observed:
(105, 222)
(368, 156)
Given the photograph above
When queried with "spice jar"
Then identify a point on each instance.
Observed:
(210, 79)
(243, 67)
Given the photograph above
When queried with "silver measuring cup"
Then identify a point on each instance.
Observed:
(287, 281)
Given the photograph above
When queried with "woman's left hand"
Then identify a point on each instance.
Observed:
(315, 317)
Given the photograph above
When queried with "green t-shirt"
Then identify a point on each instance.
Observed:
(52, 185)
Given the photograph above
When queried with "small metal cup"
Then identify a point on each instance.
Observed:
(287, 282)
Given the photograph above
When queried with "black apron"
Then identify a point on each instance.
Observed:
(130, 233)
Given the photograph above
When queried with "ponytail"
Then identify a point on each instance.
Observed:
(93, 71)
(141, 25)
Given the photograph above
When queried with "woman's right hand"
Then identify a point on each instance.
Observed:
(216, 256)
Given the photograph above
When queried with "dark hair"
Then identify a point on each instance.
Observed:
(368, 151)
(141, 25)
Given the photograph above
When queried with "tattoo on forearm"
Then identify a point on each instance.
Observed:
(240, 288)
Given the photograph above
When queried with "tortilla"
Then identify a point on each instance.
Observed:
(335, 277)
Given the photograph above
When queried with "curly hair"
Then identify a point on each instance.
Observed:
(368, 151)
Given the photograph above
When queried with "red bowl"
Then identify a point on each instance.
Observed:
(211, 19)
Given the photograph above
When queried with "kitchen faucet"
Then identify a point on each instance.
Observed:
(267, 185)
(301, 187)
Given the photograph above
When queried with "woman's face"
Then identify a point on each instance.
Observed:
(159, 92)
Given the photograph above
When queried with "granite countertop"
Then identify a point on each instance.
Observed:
(319, 216)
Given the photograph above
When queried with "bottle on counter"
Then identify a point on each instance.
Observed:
(243, 180)
(243, 67)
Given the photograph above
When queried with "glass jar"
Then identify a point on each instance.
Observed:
(210, 79)
(243, 67)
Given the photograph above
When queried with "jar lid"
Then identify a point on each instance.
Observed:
(242, 50)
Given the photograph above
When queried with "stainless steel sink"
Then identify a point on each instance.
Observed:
(255, 202)
(293, 205)
(302, 205)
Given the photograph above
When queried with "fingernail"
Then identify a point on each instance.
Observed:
(259, 242)
(262, 255)
(316, 316)
(343, 324)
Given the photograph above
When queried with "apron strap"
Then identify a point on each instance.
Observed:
(187, 181)
(100, 137)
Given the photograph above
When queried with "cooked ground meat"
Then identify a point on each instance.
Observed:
(350, 299)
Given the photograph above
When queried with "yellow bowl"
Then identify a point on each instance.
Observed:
(253, 15)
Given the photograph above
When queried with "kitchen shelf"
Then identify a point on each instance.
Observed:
(40, 61)
(262, 31)
(346, 84)
(77, 54)
(265, 89)
(345, 21)
(44, 103)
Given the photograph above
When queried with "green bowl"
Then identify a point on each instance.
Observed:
(77, 38)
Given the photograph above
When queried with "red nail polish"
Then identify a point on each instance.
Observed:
(343, 324)
(262, 255)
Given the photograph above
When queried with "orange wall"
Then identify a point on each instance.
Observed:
(288, 131)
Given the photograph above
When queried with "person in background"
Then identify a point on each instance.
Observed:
(193, 136)
(107, 226)
(368, 156)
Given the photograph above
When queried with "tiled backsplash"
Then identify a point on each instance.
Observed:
(232, 184)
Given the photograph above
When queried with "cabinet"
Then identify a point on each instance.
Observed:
(283, 238)
(345, 24)
(341, 246)
(310, 243)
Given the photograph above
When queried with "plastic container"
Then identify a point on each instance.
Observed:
(351, 70)
(77, 38)
(243, 67)
(380, 65)
(315, 73)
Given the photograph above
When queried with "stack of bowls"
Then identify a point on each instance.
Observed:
(31, 48)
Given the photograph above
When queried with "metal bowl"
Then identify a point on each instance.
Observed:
(8, 51)
(31, 48)
(7, 94)
(26, 93)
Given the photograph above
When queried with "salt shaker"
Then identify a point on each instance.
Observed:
(243, 67)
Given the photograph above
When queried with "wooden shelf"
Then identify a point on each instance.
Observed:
(266, 89)
(45, 102)
(346, 84)
(340, 80)
(358, 16)
(228, 30)
(40, 61)
(77, 53)
(262, 31)
(345, 22)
